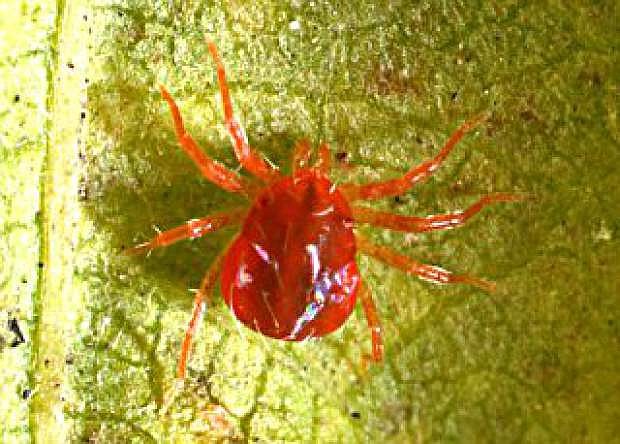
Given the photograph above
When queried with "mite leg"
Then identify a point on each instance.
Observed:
(324, 163)
(374, 325)
(430, 223)
(210, 169)
(301, 155)
(246, 155)
(425, 272)
(192, 229)
(415, 175)
(206, 288)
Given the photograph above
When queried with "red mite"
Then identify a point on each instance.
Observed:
(290, 273)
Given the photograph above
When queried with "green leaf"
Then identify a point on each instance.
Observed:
(384, 82)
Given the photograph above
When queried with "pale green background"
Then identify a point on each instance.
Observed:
(385, 82)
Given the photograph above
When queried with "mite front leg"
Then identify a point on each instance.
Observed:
(246, 155)
(324, 163)
(415, 175)
(210, 169)
(430, 273)
(192, 229)
(301, 155)
(416, 224)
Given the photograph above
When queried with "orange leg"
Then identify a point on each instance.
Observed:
(426, 272)
(415, 175)
(206, 287)
(370, 310)
(192, 229)
(301, 155)
(430, 223)
(246, 155)
(324, 163)
(210, 169)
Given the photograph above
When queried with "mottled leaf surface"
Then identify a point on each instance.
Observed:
(384, 83)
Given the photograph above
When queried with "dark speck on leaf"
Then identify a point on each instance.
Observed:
(71, 65)
(83, 193)
(202, 379)
(356, 415)
(26, 393)
(40, 264)
(82, 115)
(13, 326)
(527, 115)
(16, 98)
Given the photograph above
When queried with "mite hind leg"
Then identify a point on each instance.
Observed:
(374, 325)
(202, 295)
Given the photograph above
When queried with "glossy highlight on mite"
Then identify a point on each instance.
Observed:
(290, 273)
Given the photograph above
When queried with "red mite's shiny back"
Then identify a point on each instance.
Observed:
(291, 273)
